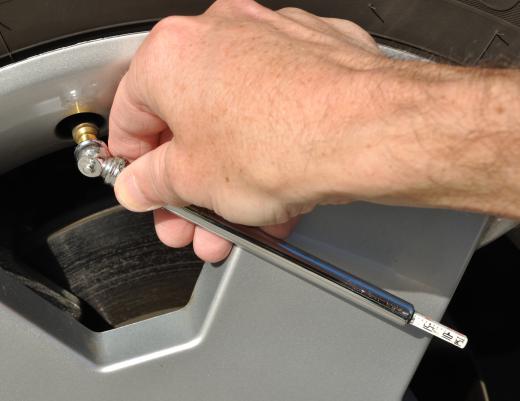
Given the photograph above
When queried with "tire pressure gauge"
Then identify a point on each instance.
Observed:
(94, 160)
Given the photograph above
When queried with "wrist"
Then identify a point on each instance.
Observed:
(478, 169)
(427, 135)
(375, 145)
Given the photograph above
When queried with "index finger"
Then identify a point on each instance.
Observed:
(133, 129)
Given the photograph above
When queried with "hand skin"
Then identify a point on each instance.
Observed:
(261, 115)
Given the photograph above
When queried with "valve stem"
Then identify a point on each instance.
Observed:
(92, 155)
(85, 132)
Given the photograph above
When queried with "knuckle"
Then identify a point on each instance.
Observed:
(164, 236)
(254, 9)
(169, 41)
(168, 24)
(174, 28)
(172, 239)
(357, 30)
(354, 32)
(289, 11)
(232, 3)
(245, 7)
(163, 28)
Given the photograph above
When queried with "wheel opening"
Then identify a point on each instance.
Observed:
(64, 237)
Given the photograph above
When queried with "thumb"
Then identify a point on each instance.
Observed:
(146, 183)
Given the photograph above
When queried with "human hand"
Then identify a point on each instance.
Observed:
(223, 110)
(262, 115)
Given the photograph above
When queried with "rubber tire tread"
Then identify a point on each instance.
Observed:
(469, 32)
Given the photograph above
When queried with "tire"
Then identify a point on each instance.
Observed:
(467, 32)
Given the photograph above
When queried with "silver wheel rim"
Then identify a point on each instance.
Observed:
(206, 350)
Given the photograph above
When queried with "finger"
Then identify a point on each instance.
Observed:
(133, 130)
(282, 230)
(172, 230)
(210, 247)
(146, 184)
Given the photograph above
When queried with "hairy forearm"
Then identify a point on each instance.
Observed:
(472, 143)
(285, 110)
(477, 166)
(435, 136)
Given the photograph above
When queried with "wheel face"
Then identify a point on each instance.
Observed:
(248, 322)
(249, 328)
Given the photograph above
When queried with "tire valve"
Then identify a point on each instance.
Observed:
(92, 155)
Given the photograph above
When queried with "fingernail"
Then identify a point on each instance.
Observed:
(131, 196)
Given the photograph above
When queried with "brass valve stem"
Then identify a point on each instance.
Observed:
(85, 132)
(92, 156)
